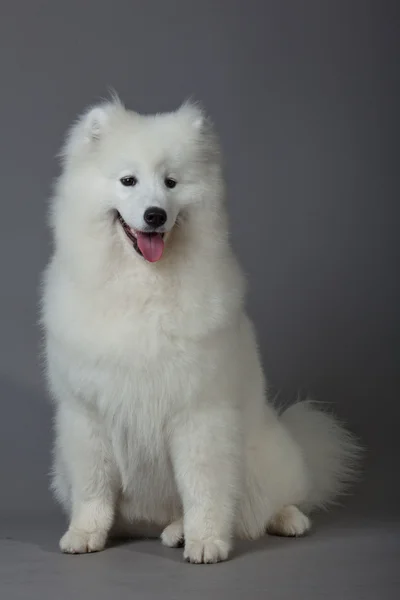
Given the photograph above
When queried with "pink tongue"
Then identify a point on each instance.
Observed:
(151, 245)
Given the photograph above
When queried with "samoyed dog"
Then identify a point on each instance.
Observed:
(162, 425)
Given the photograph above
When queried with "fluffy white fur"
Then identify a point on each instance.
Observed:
(162, 423)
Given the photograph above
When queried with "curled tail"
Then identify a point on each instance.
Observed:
(331, 453)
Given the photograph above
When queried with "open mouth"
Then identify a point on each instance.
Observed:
(149, 244)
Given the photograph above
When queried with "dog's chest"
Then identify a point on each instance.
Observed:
(141, 330)
(121, 319)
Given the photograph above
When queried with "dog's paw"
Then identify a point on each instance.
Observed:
(206, 551)
(79, 542)
(289, 521)
(172, 536)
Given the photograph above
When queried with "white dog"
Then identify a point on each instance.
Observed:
(162, 423)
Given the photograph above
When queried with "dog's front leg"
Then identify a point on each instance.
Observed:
(84, 451)
(206, 457)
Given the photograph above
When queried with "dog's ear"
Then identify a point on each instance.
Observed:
(90, 127)
(95, 121)
(194, 112)
(205, 135)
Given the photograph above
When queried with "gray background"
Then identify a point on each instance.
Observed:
(305, 96)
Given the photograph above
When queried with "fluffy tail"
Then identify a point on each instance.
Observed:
(331, 453)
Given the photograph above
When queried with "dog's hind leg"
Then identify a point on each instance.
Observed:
(289, 521)
(172, 536)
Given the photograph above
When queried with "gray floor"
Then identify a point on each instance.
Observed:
(344, 558)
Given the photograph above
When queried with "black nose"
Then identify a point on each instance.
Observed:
(155, 217)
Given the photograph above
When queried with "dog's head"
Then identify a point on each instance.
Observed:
(143, 173)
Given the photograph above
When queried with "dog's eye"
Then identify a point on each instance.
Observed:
(170, 183)
(128, 181)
